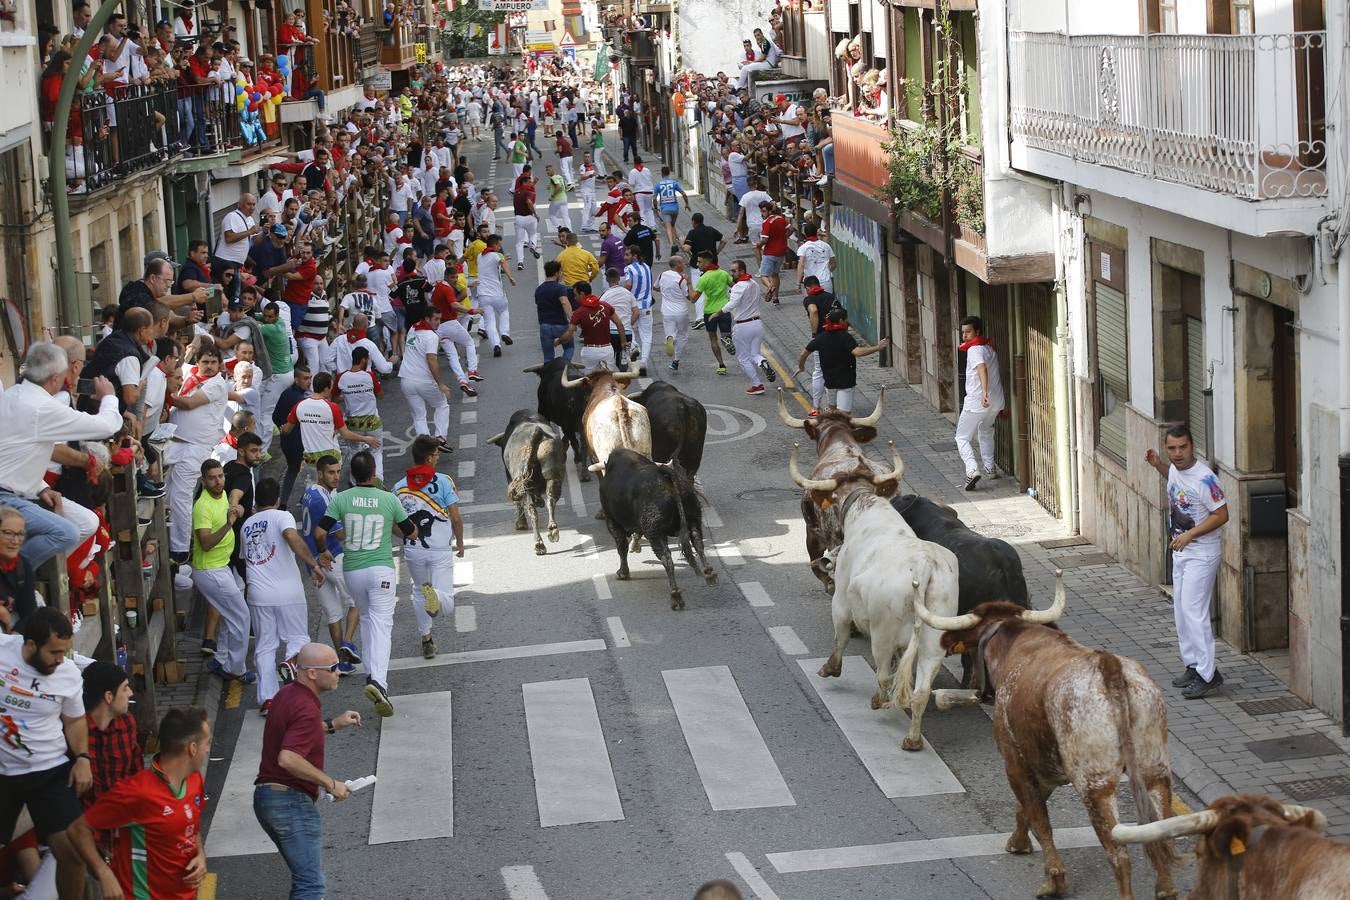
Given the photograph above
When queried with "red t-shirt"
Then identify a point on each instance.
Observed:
(294, 723)
(593, 323)
(440, 217)
(299, 291)
(775, 234)
(161, 829)
(446, 299)
(523, 201)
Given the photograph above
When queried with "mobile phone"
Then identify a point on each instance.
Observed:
(84, 387)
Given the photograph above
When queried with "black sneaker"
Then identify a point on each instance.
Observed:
(698, 326)
(377, 695)
(534, 250)
(1186, 677)
(285, 672)
(1201, 688)
(769, 373)
(496, 351)
(149, 489)
(972, 481)
(444, 446)
(208, 647)
(506, 339)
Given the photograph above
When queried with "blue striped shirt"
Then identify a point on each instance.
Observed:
(639, 276)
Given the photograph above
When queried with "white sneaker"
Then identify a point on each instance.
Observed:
(991, 474)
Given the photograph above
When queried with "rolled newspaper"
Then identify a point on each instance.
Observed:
(352, 786)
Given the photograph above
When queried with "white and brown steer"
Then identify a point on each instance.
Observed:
(611, 420)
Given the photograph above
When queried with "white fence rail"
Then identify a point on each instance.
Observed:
(1243, 115)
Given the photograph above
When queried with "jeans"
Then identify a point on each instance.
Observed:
(291, 820)
(547, 333)
(47, 533)
(186, 121)
(629, 144)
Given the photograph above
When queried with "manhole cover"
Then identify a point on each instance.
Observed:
(1298, 746)
(1062, 543)
(1288, 703)
(1084, 559)
(943, 446)
(1003, 531)
(1318, 788)
(770, 495)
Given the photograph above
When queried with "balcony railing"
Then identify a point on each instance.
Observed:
(1242, 115)
(398, 44)
(794, 28)
(118, 132)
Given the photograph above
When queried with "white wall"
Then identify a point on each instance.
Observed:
(711, 32)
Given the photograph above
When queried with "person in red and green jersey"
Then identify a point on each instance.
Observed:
(158, 853)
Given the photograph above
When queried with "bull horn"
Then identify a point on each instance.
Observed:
(783, 413)
(1166, 829)
(824, 484)
(875, 417)
(941, 623)
(497, 438)
(1046, 616)
(897, 468)
(1293, 813)
(625, 377)
(573, 382)
(534, 369)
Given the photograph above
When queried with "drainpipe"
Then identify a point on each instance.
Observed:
(1343, 312)
(56, 164)
(1065, 413)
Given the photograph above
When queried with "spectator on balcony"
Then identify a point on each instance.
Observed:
(275, 197)
(184, 27)
(236, 230)
(164, 36)
(766, 56)
(875, 103)
(81, 14)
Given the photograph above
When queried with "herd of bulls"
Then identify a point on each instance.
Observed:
(907, 573)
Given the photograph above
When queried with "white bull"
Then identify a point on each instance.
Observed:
(611, 420)
(878, 571)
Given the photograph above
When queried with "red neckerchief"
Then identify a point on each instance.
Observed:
(835, 326)
(637, 166)
(355, 334)
(10, 566)
(231, 440)
(388, 228)
(192, 382)
(712, 267)
(420, 476)
(186, 16)
(815, 289)
(744, 277)
(377, 269)
(813, 238)
(423, 325)
(973, 342)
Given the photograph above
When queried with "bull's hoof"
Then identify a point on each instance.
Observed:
(1165, 895)
(600, 514)
(539, 548)
(1019, 847)
(829, 586)
(521, 525)
(831, 669)
(585, 474)
(877, 700)
(622, 575)
(676, 601)
(710, 576)
(912, 744)
(553, 533)
(636, 545)
(1055, 885)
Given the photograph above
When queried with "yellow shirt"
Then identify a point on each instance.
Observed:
(578, 264)
(471, 256)
(211, 512)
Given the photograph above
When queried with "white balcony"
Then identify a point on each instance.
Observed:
(1225, 129)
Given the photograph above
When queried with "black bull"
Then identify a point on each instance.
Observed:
(563, 407)
(679, 425)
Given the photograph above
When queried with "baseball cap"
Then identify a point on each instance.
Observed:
(280, 230)
(158, 254)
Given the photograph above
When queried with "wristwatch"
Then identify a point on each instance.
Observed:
(328, 726)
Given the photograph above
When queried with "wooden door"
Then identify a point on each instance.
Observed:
(1038, 316)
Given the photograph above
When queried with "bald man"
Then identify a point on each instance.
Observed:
(236, 231)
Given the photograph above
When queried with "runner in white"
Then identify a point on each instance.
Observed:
(421, 377)
(321, 423)
(199, 418)
(430, 499)
(451, 297)
(643, 183)
(344, 344)
(673, 286)
(492, 266)
(586, 179)
(359, 390)
(747, 330)
(334, 597)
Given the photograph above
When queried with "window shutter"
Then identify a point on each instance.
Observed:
(1195, 384)
(1113, 370)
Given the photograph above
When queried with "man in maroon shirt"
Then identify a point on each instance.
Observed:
(291, 772)
(772, 244)
(593, 317)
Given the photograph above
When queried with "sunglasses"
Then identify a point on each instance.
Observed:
(330, 668)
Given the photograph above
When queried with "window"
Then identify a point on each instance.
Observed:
(1160, 16)
(914, 68)
(1111, 343)
(1244, 21)
(967, 69)
(1196, 382)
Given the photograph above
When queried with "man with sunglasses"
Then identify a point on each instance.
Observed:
(291, 773)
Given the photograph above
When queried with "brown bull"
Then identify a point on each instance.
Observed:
(611, 420)
(839, 438)
(1288, 860)
(1068, 714)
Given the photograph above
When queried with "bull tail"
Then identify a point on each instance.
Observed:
(902, 685)
(682, 484)
(1118, 695)
(519, 488)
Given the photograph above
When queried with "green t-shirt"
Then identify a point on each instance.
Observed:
(599, 139)
(557, 188)
(278, 347)
(715, 285)
(518, 152)
(211, 512)
(366, 515)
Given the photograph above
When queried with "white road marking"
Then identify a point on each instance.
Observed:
(750, 875)
(573, 780)
(498, 507)
(468, 532)
(875, 733)
(463, 573)
(493, 654)
(733, 762)
(786, 639)
(465, 494)
(466, 618)
(589, 549)
(234, 827)
(415, 786)
(574, 491)
(897, 852)
(468, 441)
(467, 468)
(602, 587)
(468, 399)
(618, 632)
(710, 516)
(754, 593)
(522, 883)
(468, 417)
(729, 553)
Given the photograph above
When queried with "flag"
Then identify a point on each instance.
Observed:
(602, 63)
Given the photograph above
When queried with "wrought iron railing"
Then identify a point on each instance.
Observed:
(121, 131)
(1243, 115)
(794, 28)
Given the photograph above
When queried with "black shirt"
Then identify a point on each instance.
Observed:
(239, 477)
(702, 238)
(548, 301)
(645, 239)
(823, 302)
(135, 293)
(837, 362)
(460, 171)
(461, 204)
(190, 269)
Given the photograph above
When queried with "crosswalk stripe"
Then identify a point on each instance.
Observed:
(463, 573)
(466, 618)
(573, 780)
(465, 495)
(733, 762)
(750, 875)
(574, 494)
(897, 852)
(467, 468)
(522, 883)
(710, 516)
(786, 639)
(468, 441)
(415, 785)
(468, 417)
(618, 632)
(755, 594)
(234, 829)
(729, 553)
(498, 653)
(875, 733)
(602, 587)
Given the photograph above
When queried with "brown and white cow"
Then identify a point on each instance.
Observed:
(611, 420)
(839, 438)
(1254, 847)
(1068, 714)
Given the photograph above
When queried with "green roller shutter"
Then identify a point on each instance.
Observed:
(1113, 369)
(1195, 384)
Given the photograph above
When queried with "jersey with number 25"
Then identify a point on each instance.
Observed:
(367, 515)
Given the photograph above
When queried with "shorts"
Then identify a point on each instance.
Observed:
(47, 794)
(717, 322)
(392, 321)
(671, 215)
(771, 265)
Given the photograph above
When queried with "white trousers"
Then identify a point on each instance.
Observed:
(184, 463)
(977, 423)
(747, 336)
(559, 215)
(271, 392)
(843, 398)
(350, 449)
(421, 395)
(645, 202)
(1193, 574)
(592, 358)
(527, 233)
(817, 382)
(642, 329)
(516, 169)
(317, 356)
(333, 594)
(273, 627)
(221, 590)
(676, 327)
(436, 568)
(588, 211)
(373, 590)
(496, 317)
(566, 163)
(454, 334)
(743, 80)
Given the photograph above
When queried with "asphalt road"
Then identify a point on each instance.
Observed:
(577, 738)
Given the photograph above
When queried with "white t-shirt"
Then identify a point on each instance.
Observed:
(319, 420)
(1192, 496)
(237, 222)
(750, 202)
(792, 130)
(357, 390)
(380, 282)
(400, 198)
(273, 574)
(816, 256)
(624, 303)
(641, 180)
(490, 274)
(433, 270)
(156, 384)
(743, 299)
(202, 424)
(674, 290)
(736, 162)
(34, 703)
(982, 353)
(419, 343)
(358, 303)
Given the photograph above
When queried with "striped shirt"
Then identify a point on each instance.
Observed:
(318, 316)
(639, 277)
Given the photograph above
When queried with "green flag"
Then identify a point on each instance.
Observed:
(602, 63)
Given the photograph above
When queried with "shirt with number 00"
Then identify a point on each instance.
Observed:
(367, 514)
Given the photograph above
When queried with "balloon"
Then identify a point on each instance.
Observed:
(238, 89)
(283, 64)
(255, 97)
(253, 107)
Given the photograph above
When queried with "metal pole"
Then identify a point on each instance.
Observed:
(56, 163)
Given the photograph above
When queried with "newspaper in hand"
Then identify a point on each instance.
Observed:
(353, 786)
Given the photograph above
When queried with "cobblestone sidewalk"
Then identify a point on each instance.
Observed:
(1252, 736)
